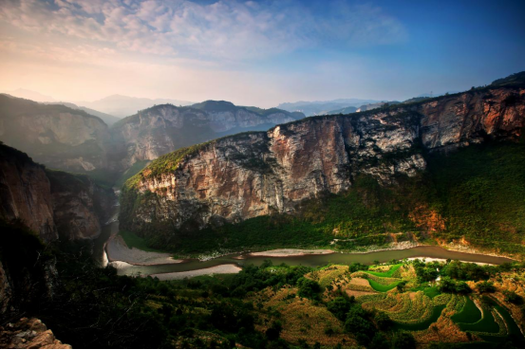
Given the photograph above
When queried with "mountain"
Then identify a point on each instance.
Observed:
(43, 214)
(322, 107)
(106, 118)
(345, 110)
(65, 136)
(31, 95)
(290, 168)
(371, 106)
(123, 106)
(55, 135)
(53, 204)
(164, 128)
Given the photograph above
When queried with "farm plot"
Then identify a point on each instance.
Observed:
(378, 283)
(493, 324)
(409, 307)
(390, 273)
(468, 314)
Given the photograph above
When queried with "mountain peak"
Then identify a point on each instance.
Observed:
(214, 105)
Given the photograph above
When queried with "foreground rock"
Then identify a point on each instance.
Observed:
(29, 333)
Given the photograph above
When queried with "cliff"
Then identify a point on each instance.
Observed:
(162, 129)
(254, 174)
(55, 135)
(51, 203)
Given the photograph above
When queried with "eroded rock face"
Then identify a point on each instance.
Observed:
(254, 174)
(165, 128)
(55, 135)
(29, 333)
(50, 203)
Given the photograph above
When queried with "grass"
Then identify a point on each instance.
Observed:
(486, 325)
(468, 314)
(431, 292)
(134, 241)
(381, 287)
(388, 273)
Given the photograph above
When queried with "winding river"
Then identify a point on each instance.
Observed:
(110, 230)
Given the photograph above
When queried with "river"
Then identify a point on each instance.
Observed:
(112, 227)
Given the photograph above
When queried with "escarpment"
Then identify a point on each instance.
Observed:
(254, 174)
(162, 129)
(53, 204)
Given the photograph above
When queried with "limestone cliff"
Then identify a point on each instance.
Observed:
(254, 174)
(165, 128)
(51, 203)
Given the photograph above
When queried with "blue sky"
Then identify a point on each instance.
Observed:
(257, 52)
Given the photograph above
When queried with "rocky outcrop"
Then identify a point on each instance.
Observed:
(165, 128)
(55, 135)
(253, 174)
(51, 203)
(29, 333)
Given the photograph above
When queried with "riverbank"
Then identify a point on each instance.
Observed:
(286, 253)
(219, 269)
(428, 260)
(118, 251)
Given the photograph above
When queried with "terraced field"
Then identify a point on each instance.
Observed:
(423, 308)
(493, 323)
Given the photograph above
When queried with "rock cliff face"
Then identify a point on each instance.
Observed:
(51, 203)
(253, 174)
(72, 140)
(165, 128)
(58, 136)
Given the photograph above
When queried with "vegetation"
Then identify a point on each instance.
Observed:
(475, 194)
(264, 306)
(134, 241)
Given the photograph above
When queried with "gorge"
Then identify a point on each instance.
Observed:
(292, 166)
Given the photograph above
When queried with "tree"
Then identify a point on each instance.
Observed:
(383, 321)
(339, 307)
(486, 287)
(401, 286)
(512, 297)
(379, 341)
(463, 288)
(308, 288)
(403, 340)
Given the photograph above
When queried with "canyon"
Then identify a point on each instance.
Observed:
(72, 140)
(259, 173)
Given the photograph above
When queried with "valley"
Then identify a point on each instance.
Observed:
(400, 226)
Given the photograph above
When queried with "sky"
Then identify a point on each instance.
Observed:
(259, 53)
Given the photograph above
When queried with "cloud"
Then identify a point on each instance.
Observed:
(225, 29)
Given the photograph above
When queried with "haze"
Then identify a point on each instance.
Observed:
(256, 53)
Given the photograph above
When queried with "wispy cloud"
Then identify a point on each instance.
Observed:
(226, 29)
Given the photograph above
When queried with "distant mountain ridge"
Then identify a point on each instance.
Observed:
(123, 106)
(65, 136)
(108, 119)
(312, 108)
